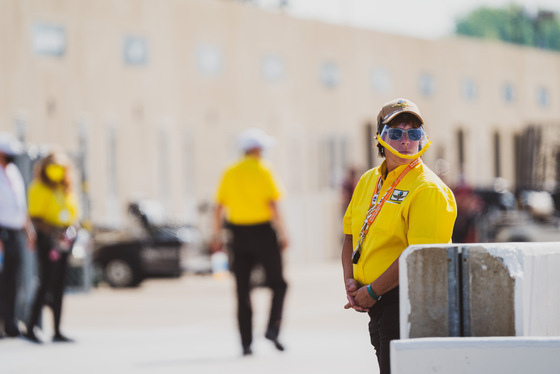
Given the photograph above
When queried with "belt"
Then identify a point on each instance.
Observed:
(6, 233)
(4, 228)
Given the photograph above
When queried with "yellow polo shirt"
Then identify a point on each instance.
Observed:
(421, 210)
(246, 189)
(54, 207)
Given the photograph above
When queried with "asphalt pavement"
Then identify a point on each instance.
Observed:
(188, 325)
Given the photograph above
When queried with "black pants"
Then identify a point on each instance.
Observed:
(14, 244)
(52, 281)
(384, 327)
(252, 245)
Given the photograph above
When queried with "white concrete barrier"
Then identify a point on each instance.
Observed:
(507, 289)
(491, 355)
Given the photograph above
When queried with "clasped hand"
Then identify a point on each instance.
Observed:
(358, 297)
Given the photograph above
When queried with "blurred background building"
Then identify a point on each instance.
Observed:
(148, 96)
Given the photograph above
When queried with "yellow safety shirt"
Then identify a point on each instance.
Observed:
(56, 208)
(246, 189)
(421, 210)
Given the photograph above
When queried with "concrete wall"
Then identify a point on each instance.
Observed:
(504, 289)
(475, 355)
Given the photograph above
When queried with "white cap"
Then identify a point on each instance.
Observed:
(9, 144)
(255, 138)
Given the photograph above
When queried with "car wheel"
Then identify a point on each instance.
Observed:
(120, 273)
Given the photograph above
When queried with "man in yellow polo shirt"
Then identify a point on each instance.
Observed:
(400, 203)
(247, 198)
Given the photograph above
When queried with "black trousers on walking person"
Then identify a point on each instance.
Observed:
(384, 327)
(252, 245)
(14, 244)
(52, 282)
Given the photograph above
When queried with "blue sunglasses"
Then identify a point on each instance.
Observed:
(412, 134)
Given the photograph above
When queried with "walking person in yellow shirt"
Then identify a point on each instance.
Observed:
(247, 199)
(53, 209)
(400, 203)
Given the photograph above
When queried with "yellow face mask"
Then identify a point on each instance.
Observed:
(55, 172)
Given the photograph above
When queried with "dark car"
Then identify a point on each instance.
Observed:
(126, 257)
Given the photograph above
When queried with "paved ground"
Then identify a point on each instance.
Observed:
(187, 325)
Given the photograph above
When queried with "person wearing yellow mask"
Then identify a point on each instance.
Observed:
(53, 209)
(400, 203)
(55, 172)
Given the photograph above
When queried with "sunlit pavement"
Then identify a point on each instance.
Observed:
(188, 325)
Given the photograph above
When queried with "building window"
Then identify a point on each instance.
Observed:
(371, 148)
(297, 170)
(81, 163)
(497, 170)
(272, 68)
(380, 80)
(329, 74)
(112, 202)
(112, 175)
(209, 59)
(508, 93)
(164, 167)
(332, 160)
(48, 40)
(188, 163)
(135, 50)
(543, 98)
(557, 169)
(469, 89)
(426, 84)
(461, 151)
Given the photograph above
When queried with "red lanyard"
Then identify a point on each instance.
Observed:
(375, 207)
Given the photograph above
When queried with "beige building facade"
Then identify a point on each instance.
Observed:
(151, 95)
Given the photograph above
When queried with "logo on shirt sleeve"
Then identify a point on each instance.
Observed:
(398, 196)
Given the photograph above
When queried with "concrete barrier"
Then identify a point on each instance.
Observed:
(494, 289)
(490, 355)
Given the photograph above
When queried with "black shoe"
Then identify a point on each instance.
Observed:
(59, 338)
(30, 335)
(13, 332)
(247, 351)
(274, 339)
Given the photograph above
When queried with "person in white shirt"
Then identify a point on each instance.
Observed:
(15, 230)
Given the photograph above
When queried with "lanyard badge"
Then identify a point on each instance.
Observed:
(356, 255)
